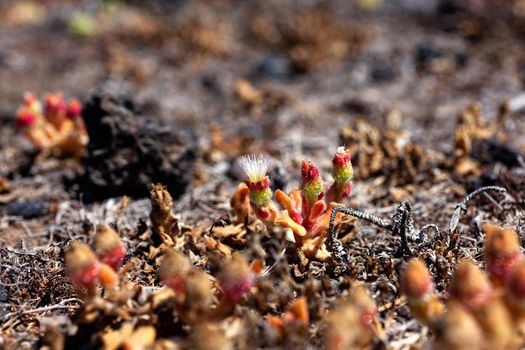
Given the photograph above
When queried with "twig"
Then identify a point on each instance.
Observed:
(404, 226)
(461, 208)
(358, 214)
(44, 308)
(339, 252)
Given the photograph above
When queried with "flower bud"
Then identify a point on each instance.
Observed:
(501, 251)
(342, 170)
(418, 286)
(82, 266)
(236, 278)
(260, 192)
(312, 187)
(55, 109)
(108, 247)
(255, 168)
(74, 109)
(350, 324)
(470, 286)
(416, 281)
(173, 270)
(25, 118)
(54, 103)
(269, 213)
(32, 103)
(457, 329)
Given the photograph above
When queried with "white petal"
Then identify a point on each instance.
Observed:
(254, 166)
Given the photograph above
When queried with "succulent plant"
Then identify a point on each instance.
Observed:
(56, 126)
(484, 307)
(88, 266)
(304, 211)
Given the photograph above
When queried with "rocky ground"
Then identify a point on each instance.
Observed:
(174, 92)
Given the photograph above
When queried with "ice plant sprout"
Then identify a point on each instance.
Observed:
(483, 306)
(54, 126)
(418, 286)
(305, 210)
(85, 270)
(87, 266)
(108, 247)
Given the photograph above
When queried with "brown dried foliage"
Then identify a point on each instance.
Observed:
(163, 221)
(389, 153)
(311, 38)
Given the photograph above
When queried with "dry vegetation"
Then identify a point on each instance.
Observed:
(149, 236)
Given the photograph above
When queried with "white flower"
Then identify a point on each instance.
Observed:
(255, 166)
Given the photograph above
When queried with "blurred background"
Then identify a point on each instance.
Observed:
(290, 72)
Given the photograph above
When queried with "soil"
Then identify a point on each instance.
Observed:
(174, 92)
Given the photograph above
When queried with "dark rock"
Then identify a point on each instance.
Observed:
(272, 66)
(492, 151)
(461, 59)
(211, 83)
(427, 53)
(449, 7)
(27, 210)
(355, 106)
(128, 152)
(383, 72)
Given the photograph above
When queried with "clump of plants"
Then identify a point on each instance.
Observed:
(199, 300)
(89, 266)
(53, 126)
(484, 309)
(205, 301)
(306, 210)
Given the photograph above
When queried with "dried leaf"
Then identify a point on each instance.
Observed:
(213, 244)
